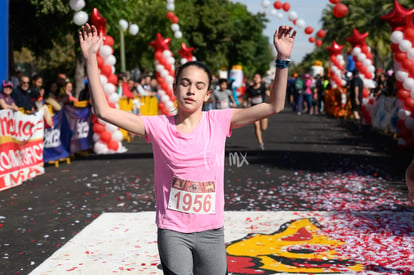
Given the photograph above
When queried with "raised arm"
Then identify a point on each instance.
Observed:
(283, 40)
(90, 43)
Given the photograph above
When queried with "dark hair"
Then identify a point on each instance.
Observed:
(196, 64)
(355, 72)
(222, 80)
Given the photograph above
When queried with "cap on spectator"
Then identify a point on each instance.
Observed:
(307, 75)
(7, 84)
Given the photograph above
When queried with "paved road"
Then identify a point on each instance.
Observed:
(310, 163)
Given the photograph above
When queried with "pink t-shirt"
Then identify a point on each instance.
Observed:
(189, 171)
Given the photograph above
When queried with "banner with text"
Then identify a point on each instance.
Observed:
(79, 121)
(21, 147)
(57, 139)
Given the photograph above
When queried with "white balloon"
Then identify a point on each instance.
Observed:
(175, 27)
(410, 53)
(105, 51)
(169, 79)
(114, 98)
(170, 6)
(159, 68)
(273, 12)
(397, 36)
(80, 18)
(412, 94)
(405, 45)
(76, 5)
(401, 75)
(300, 23)
(371, 68)
(169, 105)
(171, 60)
(164, 74)
(265, 4)
(109, 88)
(166, 53)
(161, 92)
(361, 56)
(183, 61)
(133, 29)
(292, 15)
(279, 15)
(95, 137)
(123, 24)
(178, 34)
(103, 79)
(356, 50)
(408, 83)
(110, 60)
(111, 128)
(117, 135)
(100, 148)
(165, 98)
(103, 122)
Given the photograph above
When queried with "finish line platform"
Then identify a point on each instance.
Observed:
(283, 242)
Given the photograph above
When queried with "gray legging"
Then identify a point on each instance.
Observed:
(199, 253)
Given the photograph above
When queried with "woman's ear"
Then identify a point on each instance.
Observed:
(208, 94)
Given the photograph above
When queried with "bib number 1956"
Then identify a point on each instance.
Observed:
(192, 198)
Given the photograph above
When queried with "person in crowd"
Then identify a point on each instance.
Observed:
(409, 180)
(256, 94)
(223, 96)
(123, 89)
(308, 83)
(144, 89)
(154, 85)
(37, 91)
(189, 155)
(61, 80)
(21, 95)
(291, 92)
(132, 86)
(299, 89)
(320, 90)
(66, 96)
(210, 103)
(51, 96)
(6, 100)
(356, 87)
(379, 80)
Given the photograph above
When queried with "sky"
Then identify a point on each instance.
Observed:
(308, 10)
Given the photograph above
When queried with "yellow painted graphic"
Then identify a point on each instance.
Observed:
(298, 247)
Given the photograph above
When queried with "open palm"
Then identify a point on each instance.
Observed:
(283, 40)
(90, 41)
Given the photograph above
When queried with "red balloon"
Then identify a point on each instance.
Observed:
(98, 128)
(99, 60)
(308, 30)
(408, 64)
(409, 103)
(409, 34)
(405, 133)
(94, 119)
(106, 70)
(113, 145)
(105, 136)
(318, 42)
(403, 94)
(395, 48)
(112, 105)
(286, 6)
(99, 21)
(321, 34)
(340, 10)
(109, 41)
(175, 20)
(365, 93)
(334, 1)
(113, 79)
(170, 15)
(277, 5)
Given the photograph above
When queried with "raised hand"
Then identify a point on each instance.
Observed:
(90, 41)
(283, 40)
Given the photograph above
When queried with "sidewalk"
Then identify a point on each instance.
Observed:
(312, 165)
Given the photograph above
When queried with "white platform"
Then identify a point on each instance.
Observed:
(125, 243)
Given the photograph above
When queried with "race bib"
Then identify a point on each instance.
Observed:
(257, 99)
(197, 197)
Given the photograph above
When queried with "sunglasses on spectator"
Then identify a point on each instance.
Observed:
(25, 82)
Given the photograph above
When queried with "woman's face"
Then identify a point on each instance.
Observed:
(191, 88)
(38, 82)
(69, 86)
(7, 90)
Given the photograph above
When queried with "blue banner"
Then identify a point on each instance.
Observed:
(57, 139)
(79, 123)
